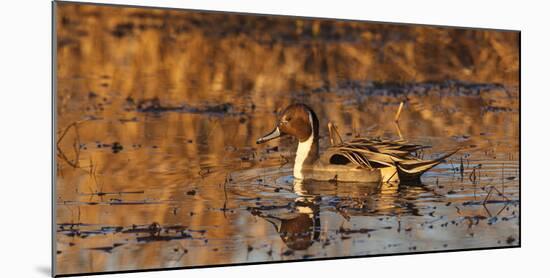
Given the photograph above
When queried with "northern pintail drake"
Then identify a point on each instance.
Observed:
(358, 160)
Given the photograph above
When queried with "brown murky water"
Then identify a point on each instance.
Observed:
(158, 112)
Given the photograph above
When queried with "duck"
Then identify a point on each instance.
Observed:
(361, 159)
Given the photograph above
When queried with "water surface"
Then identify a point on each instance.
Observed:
(157, 117)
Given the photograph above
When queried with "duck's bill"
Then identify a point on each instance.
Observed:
(276, 133)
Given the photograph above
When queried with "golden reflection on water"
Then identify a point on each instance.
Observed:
(168, 104)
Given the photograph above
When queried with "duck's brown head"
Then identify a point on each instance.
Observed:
(297, 120)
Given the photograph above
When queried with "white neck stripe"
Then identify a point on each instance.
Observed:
(303, 151)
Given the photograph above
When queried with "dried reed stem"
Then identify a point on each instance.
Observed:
(398, 114)
(335, 138)
(76, 146)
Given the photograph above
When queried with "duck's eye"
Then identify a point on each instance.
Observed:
(285, 120)
(288, 119)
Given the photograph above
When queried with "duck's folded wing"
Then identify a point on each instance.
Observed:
(371, 153)
(391, 147)
(362, 157)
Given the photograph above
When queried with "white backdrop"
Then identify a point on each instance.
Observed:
(25, 137)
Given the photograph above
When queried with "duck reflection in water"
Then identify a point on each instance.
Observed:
(299, 223)
(300, 226)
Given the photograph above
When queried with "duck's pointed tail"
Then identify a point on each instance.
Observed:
(413, 169)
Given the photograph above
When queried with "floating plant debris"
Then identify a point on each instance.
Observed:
(154, 106)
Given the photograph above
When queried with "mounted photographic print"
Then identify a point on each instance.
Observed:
(187, 138)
